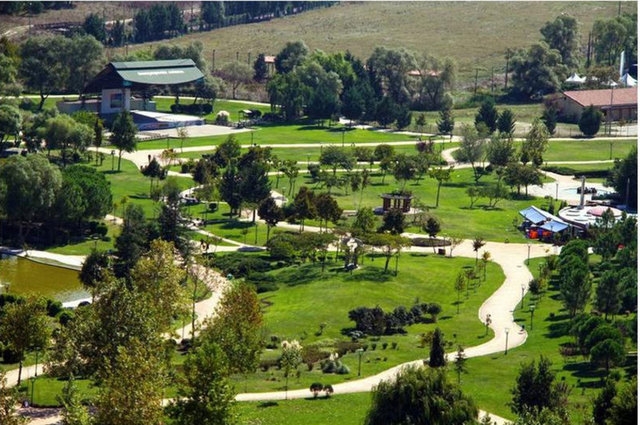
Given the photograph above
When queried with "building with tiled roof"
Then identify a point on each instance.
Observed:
(615, 103)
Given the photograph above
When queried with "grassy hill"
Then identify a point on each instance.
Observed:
(475, 34)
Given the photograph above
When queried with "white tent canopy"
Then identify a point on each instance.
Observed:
(575, 78)
(628, 80)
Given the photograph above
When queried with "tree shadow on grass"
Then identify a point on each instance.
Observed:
(265, 404)
(585, 370)
(370, 274)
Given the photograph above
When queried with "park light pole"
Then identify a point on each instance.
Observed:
(33, 384)
(360, 352)
(506, 341)
(113, 155)
(556, 191)
(528, 253)
(343, 130)
(532, 308)
(522, 287)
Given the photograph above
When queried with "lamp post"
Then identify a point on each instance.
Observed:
(113, 155)
(531, 310)
(506, 340)
(528, 253)
(33, 384)
(522, 287)
(360, 352)
(556, 191)
(37, 351)
(343, 137)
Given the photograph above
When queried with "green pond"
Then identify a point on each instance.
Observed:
(26, 277)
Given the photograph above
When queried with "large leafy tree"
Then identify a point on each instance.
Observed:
(10, 122)
(391, 67)
(134, 382)
(471, 149)
(42, 69)
(535, 389)
(254, 185)
(205, 395)
(28, 189)
(236, 74)
(613, 36)
(562, 35)
(9, 402)
(24, 327)
(535, 144)
(236, 328)
(335, 157)
(84, 58)
(270, 212)
(123, 134)
(291, 55)
(624, 178)
(537, 71)
(420, 395)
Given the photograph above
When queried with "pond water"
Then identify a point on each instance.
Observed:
(24, 277)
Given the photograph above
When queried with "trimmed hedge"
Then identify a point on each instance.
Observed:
(192, 108)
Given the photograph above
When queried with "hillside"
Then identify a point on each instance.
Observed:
(475, 34)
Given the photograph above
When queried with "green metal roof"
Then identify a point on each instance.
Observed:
(133, 74)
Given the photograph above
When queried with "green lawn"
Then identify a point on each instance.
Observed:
(588, 150)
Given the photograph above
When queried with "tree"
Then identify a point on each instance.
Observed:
(94, 270)
(608, 352)
(386, 111)
(364, 222)
(94, 187)
(441, 175)
(157, 279)
(608, 293)
(624, 177)
(304, 206)
(328, 209)
(590, 120)
(10, 122)
(420, 395)
(254, 185)
(9, 401)
(260, 69)
(205, 395)
(270, 212)
(624, 410)
(446, 122)
(478, 243)
(73, 412)
(84, 58)
(612, 36)
(460, 361)
(437, 355)
(389, 244)
(290, 359)
(123, 134)
(212, 14)
(24, 327)
(459, 286)
(471, 149)
(393, 222)
(236, 328)
(391, 67)
(291, 55)
(537, 71)
(516, 174)
(534, 389)
(237, 74)
(603, 402)
(42, 68)
(336, 157)
(30, 186)
(506, 123)
(133, 240)
(575, 289)
(535, 144)
(562, 35)
(134, 382)
(432, 226)
(550, 117)
(353, 104)
(500, 151)
(487, 115)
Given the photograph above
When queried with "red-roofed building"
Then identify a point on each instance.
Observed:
(620, 103)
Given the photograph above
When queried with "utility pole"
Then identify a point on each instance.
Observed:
(506, 70)
(213, 60)
(475, 85)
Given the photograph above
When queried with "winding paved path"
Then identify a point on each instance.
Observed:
(511, 257)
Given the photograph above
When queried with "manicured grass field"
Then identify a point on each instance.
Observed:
(588, 150)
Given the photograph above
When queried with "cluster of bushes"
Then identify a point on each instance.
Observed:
(374, 321)
(316, 388)
(239, 264)
(430, 242)
(602, 342)
(192, 108)
(334, 365)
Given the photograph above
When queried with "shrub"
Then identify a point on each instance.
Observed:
(385, 345)
(316, 388)
(590, 120)
(65, 317)
(343, 370)
(53, 308)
